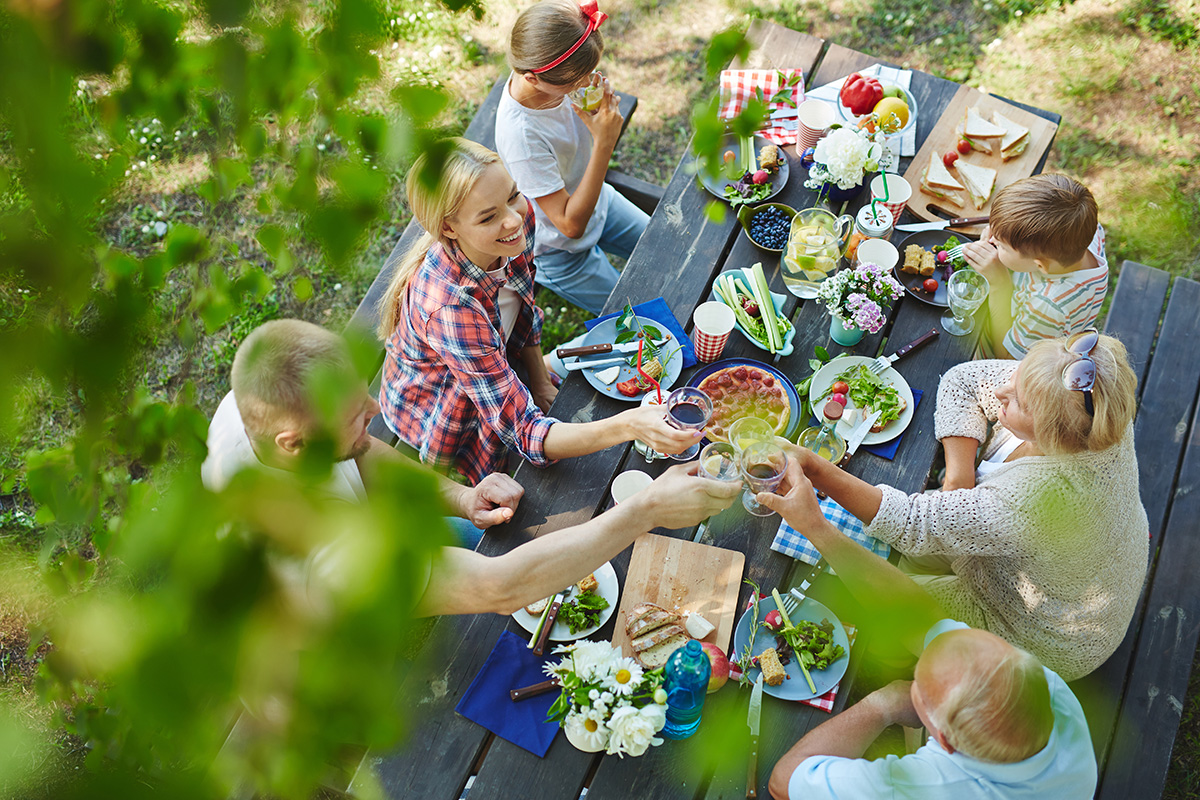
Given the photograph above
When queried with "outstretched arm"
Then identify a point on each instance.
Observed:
(465, 582)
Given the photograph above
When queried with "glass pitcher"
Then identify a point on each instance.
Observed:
(815, 244)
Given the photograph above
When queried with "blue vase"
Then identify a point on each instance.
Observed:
(845, 336)
(835, 194)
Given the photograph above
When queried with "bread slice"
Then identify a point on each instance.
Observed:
(980, 181)
(651, 622)
(588, 584)
(912, 259)
(659, 634)
(772, 671)
(978, 132)
(877, 427)
(938, 181)
(1016, 136)
(657, 655)
(537, 608)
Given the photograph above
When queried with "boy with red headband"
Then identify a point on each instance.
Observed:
(558, 154)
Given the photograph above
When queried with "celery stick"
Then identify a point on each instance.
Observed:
(787, 623)
(727, 291)
(766, 306)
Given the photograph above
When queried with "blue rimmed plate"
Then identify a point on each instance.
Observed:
(794, 687)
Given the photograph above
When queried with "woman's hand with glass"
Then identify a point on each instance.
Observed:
(763, 465)
(649, 424)
(794, 499)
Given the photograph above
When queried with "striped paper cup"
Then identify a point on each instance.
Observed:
(898, 189)
(815, 117)
(712, 323)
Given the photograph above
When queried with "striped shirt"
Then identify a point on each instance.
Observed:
(448, 388)
(1049, 307)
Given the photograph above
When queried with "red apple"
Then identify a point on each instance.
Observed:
(720, 666)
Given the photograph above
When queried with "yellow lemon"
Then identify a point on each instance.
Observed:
(592, 96)
(892, 113)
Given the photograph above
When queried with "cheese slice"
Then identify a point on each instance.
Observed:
(607, 376)
(976, 127)
(938, 176)
(1016, 136)
(979, 180)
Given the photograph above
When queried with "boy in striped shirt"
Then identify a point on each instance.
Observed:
(1043, 256)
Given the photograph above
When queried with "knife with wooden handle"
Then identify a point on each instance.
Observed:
(586, 350)
(533, 690)
(544, 639)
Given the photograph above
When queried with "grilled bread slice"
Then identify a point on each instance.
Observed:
(537, 608)
(660, 634)
(655, 656)
(651, 622)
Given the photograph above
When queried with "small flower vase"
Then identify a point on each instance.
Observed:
(835, 194)
(844, 333)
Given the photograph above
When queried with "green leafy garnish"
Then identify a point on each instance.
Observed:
(583, 611)
(868, 390)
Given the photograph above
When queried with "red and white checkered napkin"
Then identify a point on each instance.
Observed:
(825, 701)
(739, 85)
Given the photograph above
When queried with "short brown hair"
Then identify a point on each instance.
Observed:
(274, 371)
(1061, 423)
(544, 32)
(1045, 216)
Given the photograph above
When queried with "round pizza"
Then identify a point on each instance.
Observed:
(744, 391)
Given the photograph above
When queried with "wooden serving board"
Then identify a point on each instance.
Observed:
(685, 576)
(943, 139)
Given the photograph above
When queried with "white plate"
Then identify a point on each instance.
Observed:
(606, 332)
(609, 589)
(827, 374)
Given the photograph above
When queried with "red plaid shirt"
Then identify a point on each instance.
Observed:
(448, 388)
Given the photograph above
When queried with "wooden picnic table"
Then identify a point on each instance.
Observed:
(677, 259)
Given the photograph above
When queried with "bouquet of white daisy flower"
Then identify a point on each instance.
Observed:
(608, 702)
(845, 156)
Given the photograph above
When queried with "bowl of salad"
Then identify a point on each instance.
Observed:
(740, 290)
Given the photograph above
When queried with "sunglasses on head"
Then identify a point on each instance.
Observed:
(1080, 374)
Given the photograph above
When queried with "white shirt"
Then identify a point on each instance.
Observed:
(997, 460)
(545, 150)
(508, 301)
(1065, 769)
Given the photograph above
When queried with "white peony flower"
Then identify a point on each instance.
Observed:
(625, 677)
(656, 714)
(632, 732)
(586, 733)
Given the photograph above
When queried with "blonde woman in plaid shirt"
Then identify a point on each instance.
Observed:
(460, 304)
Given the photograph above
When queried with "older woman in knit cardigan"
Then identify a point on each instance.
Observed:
(1045, 541)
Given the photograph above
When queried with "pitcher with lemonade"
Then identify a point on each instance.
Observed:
(815, 245)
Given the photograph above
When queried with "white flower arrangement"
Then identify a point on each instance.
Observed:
(845, 156)
(608, 702)
(858, 296)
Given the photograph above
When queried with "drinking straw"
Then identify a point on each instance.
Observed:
(875, 200)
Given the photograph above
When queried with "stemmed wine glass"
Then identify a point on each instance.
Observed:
(966, 290)
(748, 430)
(763, 466)
(688, 409)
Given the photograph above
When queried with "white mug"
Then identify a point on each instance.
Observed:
(877, 251)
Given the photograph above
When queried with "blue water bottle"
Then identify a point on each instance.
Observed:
(687, 673)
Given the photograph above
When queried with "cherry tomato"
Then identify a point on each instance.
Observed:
(930, 285)
(964, 146)
(838, 397)
(949, 158)
(841, 387)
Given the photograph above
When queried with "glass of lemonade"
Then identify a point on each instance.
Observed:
(815, 245)
(748, 430)
(966, 290)
(589, 95)
(719, 461)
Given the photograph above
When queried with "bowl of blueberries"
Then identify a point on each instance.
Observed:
(767, 225)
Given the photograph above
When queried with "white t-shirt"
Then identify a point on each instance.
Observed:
(509, 303)
(997, 460)
(229, 452)
(546, 150)
(1065, 769)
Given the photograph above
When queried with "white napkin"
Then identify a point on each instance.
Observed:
(893, 75)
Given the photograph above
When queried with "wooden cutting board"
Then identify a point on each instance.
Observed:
(685, 576)
(943, 139)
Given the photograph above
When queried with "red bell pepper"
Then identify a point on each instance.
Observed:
(630, 387)
(861, 94)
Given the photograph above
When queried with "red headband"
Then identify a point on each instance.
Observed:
(595, 18)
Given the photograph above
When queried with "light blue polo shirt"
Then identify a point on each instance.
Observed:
(1064, 769)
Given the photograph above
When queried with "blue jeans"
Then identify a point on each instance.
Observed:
(465, 533)
(587, 278)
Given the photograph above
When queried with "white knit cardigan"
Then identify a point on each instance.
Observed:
(1050, 551)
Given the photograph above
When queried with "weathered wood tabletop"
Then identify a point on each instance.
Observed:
(677, 259)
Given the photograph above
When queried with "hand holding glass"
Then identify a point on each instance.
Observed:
(688, 409)
(763, 466)
(966, 290)
(719, 462)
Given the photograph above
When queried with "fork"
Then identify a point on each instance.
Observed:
(884, 362)
(954, 252)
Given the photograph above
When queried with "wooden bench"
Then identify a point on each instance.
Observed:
(482, 129)
(1133, 702)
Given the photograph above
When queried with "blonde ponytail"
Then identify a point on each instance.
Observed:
(464, 165)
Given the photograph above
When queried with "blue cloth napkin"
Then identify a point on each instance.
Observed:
(888, 449)
(660, 312)
(885, 449)
(791, 542)
(487, 702)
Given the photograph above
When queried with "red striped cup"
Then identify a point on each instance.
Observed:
(712, 323)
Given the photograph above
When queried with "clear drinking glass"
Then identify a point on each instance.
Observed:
(966, 290)
(649, 453)
(719, 461)
(589, 95)
(688, 409)
(763, 465)
(748, 430)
